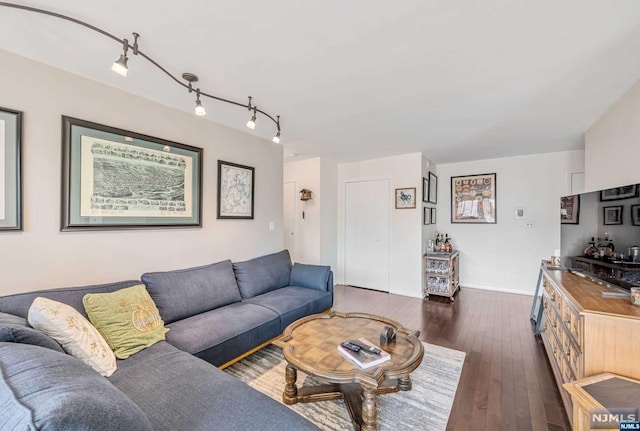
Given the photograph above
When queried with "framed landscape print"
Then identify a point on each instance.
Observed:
(235, 191)
(10, 170)
(473, 199)
(117, 179)
(433, 188)
(570, 209)
(612, 215)
(406, 198)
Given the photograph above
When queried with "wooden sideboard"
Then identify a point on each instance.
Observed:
(586, 333)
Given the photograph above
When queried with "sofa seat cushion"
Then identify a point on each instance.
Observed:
(178, 391)
(186, 292)
(263, 274)
(293, 303)
(15, 329)
(224, 333)
(47, 390)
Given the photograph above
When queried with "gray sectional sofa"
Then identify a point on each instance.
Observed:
(215, 314)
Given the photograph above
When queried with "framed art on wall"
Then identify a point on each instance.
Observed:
(118, 179)
(473, 198)
(433, 188)
(425, 190)
(570, 209)
(635, 215)
(10, 170)
(426, 218)
(433, 216)
(406, 198)
(619, 193)
(235, 191)
(612, 215)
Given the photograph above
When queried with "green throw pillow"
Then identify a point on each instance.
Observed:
(127, 319)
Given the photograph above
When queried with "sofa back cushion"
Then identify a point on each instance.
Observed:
(310, 276)
(45, 390)
(14, 329)
(263, 274)
(19, 304)
(186, 292)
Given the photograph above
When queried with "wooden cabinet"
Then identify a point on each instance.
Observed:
(602, 391)
(586, 333)
(441, 274)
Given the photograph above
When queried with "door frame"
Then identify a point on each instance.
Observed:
(296, 228)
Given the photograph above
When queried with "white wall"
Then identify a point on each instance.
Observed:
(405, 248)
(506, 256)
(329, 213)
(43, 257)
(612, 145)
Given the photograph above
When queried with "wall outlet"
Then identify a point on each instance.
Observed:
(272, 225)
(530, 224)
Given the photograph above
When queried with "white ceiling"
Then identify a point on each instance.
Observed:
(358, 79)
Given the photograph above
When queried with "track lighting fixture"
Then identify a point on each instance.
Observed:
(276, 138)
(120, 66)
(252, 122)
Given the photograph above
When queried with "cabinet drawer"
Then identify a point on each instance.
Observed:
(573, 322)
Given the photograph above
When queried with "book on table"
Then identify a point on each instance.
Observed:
(365, 359)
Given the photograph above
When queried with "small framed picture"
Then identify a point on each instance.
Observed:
(406, 198)
(426, 219)
(425, 190)
(635, 215)
(570, 209)
(433, 188)
(433, 216)
(612, 215)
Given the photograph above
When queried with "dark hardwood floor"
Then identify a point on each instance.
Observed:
(506, 381)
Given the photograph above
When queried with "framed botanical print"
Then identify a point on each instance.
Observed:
(406, 198)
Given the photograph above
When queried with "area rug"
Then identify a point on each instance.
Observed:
(425, 407)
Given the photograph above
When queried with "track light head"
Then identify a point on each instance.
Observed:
(120, 65)
(200, 111)
(276, 138)
(252, 122)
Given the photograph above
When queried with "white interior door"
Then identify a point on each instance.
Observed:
(290, 227)
(367, 234)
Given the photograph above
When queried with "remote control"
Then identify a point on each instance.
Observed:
(350, 346)
(366, 348)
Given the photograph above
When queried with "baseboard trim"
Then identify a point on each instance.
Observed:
(496, 289)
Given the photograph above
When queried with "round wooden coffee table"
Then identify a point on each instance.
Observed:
(310, 345)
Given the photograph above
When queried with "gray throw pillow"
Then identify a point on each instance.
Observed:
(15, 329)
(310, 276)
(45, 390)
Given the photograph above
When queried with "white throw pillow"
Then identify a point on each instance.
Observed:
(77, 336)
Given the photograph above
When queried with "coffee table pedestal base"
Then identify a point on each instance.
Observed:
(360, 401)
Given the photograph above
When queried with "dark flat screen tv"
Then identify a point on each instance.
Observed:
(611, 215)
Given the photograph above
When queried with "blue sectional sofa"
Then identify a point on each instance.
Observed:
(215, 314)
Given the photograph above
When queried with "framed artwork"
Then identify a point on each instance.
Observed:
(433, 216)
(619, 193)
(433, 188)
(612, 215)
(570, 209)
(425, 190)
(406, 198)
(118, 179)
(635, 215)
(10, 170)
(235, 191)
(473, 199)
(426, 218)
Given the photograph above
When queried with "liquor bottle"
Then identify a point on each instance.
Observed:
(448, 245)
(591, 249)
(437, 247)
(610, 248)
